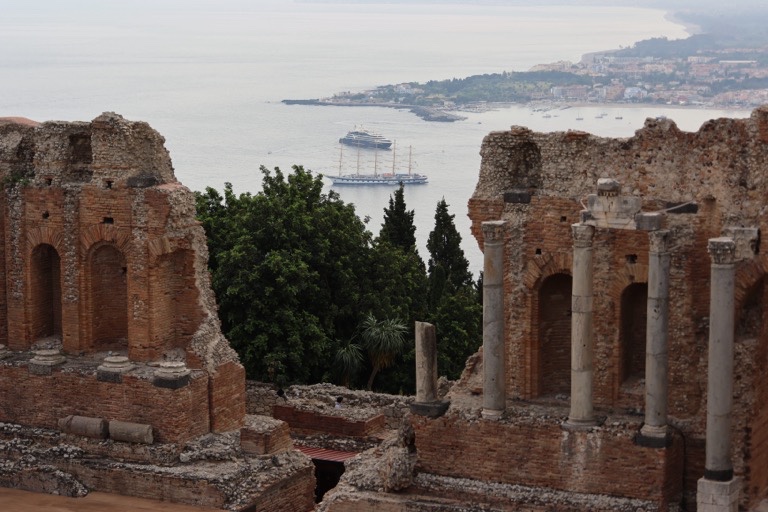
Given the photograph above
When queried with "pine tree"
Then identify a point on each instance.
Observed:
(448, 267)
(453, 304)
(398, 228)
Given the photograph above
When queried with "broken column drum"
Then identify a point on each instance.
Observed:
(426, 363)
(494, 395)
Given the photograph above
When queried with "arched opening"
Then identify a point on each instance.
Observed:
(45, 292)
(555, 335)
(634, 314)
(109, 299)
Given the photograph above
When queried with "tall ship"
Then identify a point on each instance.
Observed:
(362, 138)
(379, 178)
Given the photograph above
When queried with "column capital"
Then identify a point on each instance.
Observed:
(582, 235)
(722, 250)
(659, 241)
(493, 230)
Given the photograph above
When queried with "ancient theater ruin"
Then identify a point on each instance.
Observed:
(114, 374)
(623, 355)
(625, 343)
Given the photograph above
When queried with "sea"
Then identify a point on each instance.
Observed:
(210, 75)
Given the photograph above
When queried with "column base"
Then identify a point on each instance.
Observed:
(492, 414)
(430, 409)
(654, 437)
(714, 496)
(572, 424)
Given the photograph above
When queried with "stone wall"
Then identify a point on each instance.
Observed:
(700, 184)
(102, 256)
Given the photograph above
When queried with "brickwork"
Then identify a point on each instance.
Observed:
(102, 252)
(103, 259)
(311, 421)
(175, 415)
(542, 454)
(538, 183)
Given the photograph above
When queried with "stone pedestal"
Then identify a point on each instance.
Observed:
(718, 465)
(494, 380)
(581, 412)
(172, 375)
(712, 496)
(656, 358)
(113, 368)
(44, 360)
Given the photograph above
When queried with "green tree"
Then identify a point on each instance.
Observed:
(398, 228)
(454, 304)
(458, 321)
(289, 270)
(384, 340)
(448, 267)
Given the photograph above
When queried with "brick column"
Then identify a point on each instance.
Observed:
(494, 381)
(656, 360)
(582, 413)
(718, 491)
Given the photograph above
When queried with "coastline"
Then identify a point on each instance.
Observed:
(690, 28)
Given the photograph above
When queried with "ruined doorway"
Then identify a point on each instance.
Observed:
(327, 476)
(554, 320)
(45, 292)
(109, 299)
(329, 467)
(634, 314)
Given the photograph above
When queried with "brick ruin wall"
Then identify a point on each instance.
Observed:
(101, 254)
(538, 183)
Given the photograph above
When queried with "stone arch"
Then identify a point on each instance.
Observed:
(45, 311)
(553, 319)
(632, 332)
(107, 233)
(107, 309)
(45, 235)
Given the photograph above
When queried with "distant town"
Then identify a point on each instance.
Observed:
(699, 71)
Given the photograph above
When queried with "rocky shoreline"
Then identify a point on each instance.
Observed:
(426, 113)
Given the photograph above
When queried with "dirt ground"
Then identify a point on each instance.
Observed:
(12, 500)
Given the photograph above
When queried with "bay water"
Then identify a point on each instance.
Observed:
(210, 76)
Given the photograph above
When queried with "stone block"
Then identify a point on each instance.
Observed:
(262, 435)
(714, 496)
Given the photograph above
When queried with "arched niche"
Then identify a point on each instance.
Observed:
(554, 321)
(45, 292)
(175, 313)
(108, 292)
(634, 315)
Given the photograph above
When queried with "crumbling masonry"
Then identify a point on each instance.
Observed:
(623, 362)
(114, 374)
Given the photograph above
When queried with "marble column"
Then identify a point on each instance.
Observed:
(426, 363)
(719, 490)
(494, 381)
(720, 364)
(581, 413)
(656, 359)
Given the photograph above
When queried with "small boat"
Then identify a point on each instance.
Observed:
(619, 117)
(361, 138)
